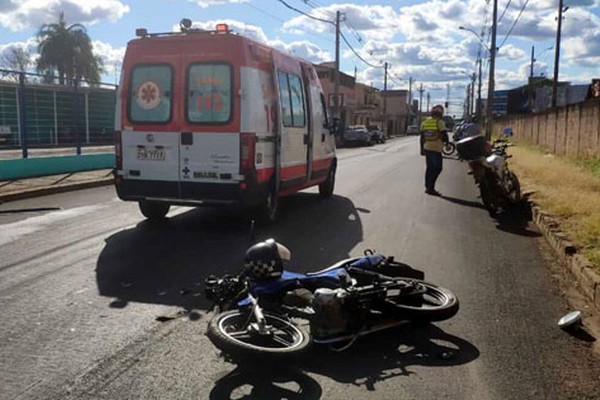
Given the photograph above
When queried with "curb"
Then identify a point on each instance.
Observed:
(61, 188)
(578, 266)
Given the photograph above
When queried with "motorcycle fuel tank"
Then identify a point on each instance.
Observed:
(496, 161)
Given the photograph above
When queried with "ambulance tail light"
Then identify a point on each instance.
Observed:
(247, 152)
(118, 151)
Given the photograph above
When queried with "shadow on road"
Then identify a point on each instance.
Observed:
(266, 383)
(516, 220)
(463, 202)
(166, 262)
(370, 360)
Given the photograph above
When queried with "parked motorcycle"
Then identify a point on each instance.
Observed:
(498, 185)
(259, 311)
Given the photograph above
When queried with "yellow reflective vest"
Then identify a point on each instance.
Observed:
(431, 129)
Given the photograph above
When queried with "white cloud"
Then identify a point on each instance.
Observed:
(368, 22)
(303, 49)
(18, 15)
(208, 3)
(511, 52)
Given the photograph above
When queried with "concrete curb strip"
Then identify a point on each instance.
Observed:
(60, 188)
(578, 266)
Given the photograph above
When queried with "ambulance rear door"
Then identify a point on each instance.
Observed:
(151, 153)
(209, 152)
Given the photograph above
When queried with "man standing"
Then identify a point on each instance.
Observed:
(433, 136)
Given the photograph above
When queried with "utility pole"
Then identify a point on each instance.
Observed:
(336, 73)
(478, 105)
(447, 97)
(490, 99)
(420, 104)
(532, 61)
(410, 81)
(468, 105)
(428, 97)
(557, 52)
(472, 108)
(385, 121)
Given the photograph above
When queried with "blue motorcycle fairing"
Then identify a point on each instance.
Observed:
(326, 278)
(292, 280)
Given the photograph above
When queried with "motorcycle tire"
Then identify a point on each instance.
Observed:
(515, 193)
(436, 304)
(487, 198)
(449, 148)
(228, 331)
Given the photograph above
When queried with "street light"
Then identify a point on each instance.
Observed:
(477, 36)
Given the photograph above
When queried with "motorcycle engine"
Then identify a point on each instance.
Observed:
(336, 314)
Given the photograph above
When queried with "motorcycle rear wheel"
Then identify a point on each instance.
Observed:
(435, 304)
(231, 332)
(487, 198)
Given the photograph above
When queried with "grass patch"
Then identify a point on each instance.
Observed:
(567, 188)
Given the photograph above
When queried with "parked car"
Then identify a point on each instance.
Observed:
(358, 134)
(412, 130)
(377, 135)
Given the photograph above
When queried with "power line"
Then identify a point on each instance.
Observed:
(356, 54)
(305, 14)
(514, 23)
(503, 12)
(328, 40)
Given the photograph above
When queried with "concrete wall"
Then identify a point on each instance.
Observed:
(573, 130)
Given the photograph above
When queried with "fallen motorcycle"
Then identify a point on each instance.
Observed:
(499, 187)
(260, 311)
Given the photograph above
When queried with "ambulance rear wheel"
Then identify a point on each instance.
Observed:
(326, 188)
(153, 210)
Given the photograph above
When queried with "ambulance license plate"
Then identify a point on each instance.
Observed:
(153, 154)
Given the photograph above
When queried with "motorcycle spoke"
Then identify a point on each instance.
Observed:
(238, 334)
(283, 341)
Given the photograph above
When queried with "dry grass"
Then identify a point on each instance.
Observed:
(569, 189)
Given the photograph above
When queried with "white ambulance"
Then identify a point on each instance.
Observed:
(210, 118)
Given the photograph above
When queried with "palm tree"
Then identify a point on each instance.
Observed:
(67, 51)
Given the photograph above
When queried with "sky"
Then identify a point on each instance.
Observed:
(418, 39)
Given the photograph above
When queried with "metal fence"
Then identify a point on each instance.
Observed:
(42, 115)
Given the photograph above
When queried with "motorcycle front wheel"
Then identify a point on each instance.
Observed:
(449, 148)
(235, 333)
(433, 303)
(514, 193)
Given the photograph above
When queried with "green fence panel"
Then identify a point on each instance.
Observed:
(44, 166)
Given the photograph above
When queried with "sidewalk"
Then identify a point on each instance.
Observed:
(31, 187)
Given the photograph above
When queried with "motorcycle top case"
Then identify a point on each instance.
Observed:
(471, 148)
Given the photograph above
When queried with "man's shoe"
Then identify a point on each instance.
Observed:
(433, 192)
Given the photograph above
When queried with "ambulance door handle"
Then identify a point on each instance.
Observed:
(187, 139)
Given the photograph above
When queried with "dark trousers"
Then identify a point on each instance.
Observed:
(433, 160)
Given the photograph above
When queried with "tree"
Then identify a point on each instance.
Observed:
(66, 51)
(15, 58)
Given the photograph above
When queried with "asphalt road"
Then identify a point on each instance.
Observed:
(98, 304)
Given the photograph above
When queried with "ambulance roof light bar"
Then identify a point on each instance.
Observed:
(141, 32)
(222, 28)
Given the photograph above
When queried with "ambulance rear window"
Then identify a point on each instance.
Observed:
(150, 94)
(209, 93)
